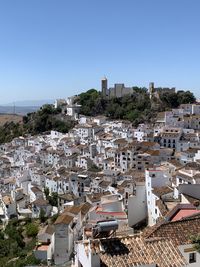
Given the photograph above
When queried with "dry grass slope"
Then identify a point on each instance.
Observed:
(10, 118)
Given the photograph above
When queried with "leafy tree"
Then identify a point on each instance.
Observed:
(137, 107)
(54, 217)
(94, 168)
(42, 216)
(44, 120)
(13, 252)
(53, 199)
(170, 99)
(13, 232)
(31, 230)
(46, 192)
(196, 241)
(185, 97)
(4, 248)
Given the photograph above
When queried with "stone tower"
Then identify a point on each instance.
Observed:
(104, 87)
(151, 89)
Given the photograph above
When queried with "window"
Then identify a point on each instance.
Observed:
(192, 257)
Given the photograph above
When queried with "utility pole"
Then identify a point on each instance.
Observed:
(14, 108)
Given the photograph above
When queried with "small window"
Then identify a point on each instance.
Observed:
(192, 257)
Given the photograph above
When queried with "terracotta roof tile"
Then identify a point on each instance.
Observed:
(181, 230)
(132, 251)
(40, 202)
(64, 219)
(160, 191)
(162, 207)
(96, 197)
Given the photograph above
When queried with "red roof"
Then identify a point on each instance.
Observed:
(183, 213)
(112, 212)
(43, 247)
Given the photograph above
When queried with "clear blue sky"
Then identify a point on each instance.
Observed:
(56, 48)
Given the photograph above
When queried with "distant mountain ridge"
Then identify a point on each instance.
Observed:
(24, 107)
(30, 103)
(18, 110)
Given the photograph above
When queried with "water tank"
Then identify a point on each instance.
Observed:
(107, 226)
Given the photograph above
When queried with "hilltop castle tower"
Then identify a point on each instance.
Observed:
(151, 89)
(104, 87)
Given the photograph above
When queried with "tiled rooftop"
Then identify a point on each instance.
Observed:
(132, 251)
(160, 191)
(181, 230)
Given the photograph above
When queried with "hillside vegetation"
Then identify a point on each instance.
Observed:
(6, 118)
(136, 108)
(44, 120)
(17, 242)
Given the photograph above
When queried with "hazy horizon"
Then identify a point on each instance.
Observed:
(27, 102)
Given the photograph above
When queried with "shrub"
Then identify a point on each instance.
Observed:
(31, 230)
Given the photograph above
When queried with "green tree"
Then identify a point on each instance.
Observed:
(42, 216)
(46, 192)
(54, 217)
(196, 242)
(31, 230)
(53, 199)
(185, 97)
(169, 99)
